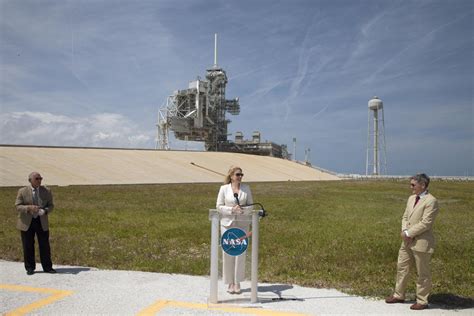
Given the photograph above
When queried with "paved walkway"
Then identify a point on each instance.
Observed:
(89, 291)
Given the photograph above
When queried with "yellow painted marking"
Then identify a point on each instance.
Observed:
(159, 305)
(55, 295)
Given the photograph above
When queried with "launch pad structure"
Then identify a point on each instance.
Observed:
(198, 113)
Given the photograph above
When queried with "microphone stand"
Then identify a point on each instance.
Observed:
(262, 212)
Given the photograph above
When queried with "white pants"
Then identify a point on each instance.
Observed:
(234, 266)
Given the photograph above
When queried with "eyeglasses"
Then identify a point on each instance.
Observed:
(239, 174)
(39, 178)
(412, 184)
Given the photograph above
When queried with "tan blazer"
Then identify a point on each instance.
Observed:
(419, 220)
(25, 198)
(226, 200)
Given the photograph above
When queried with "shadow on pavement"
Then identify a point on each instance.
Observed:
(276, 289)
(71, 270)
(279, 288)
(451, 301)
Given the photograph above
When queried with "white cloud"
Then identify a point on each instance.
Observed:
(43, 128)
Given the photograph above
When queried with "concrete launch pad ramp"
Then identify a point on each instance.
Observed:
(78, 166)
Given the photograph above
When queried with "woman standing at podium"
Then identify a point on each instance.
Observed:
(233, 195)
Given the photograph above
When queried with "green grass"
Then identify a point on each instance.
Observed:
(343, 234)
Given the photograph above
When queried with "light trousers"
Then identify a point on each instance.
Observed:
(407, 259)
(233, 267)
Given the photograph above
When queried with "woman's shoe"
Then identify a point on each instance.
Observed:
(237, 289)
(230, 290)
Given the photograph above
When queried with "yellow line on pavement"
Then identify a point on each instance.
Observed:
(55, 295)
(159, 305)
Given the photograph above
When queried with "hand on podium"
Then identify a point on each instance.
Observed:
(237, 210)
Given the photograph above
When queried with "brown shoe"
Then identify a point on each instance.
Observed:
(392, 299)
(418, 307)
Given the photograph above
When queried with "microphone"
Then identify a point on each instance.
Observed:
(236, 196)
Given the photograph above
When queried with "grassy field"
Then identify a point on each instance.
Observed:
(342, 235)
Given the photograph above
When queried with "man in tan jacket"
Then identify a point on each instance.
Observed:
(34, 203)
(418, 243)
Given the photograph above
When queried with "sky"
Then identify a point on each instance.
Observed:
(95, 73)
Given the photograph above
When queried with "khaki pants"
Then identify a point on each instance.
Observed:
(408, 258)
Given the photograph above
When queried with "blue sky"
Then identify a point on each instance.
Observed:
(94, 73)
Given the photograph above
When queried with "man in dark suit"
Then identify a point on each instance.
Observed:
(34, 203)
(418, 243)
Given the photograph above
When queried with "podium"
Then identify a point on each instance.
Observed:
(250, 216)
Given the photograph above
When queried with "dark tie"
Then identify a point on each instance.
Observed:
(35, 196)
(416, 200)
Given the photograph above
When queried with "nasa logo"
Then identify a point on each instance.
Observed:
(234, 241)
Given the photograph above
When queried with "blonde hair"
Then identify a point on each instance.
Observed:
(231, 171)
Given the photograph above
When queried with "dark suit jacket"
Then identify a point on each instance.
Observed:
(25, 198)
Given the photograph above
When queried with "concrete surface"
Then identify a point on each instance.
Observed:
(77, 166)
(90, 291)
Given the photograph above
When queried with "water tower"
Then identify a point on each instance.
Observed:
(376, 138)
